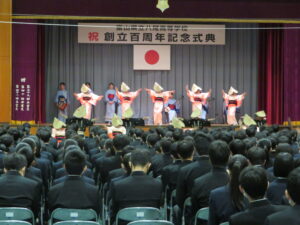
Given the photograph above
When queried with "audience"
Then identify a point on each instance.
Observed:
(135, 169)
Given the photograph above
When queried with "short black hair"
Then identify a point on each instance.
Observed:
(177, 134)
(44, 134)
(254, 181)
(16, 133)
(219, 153)
(257, 156)
(240, 134)
(251, 131)
(293, 185)
(62, 83)
(185, 149)
(14, 161)
(87, 83)
(121, 141)
(283, 164)
(165, 145)
(284, 139)
(237, 146)
(7, 140)
(31, 142)
(75, 162)
(69, 142)
(226, 136)
(152, 139)
(140, 157)
(138, 132)
(28, 153)
(202, 142)
(284, 147)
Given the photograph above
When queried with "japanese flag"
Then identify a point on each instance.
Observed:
(151, 57)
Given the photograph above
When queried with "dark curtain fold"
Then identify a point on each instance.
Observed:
(271, 74)
(40, 78)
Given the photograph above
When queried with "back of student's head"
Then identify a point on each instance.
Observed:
(202, 142)
(226, 136)
(185, 149)
(284, 147)
(219, 153)
(28, 153)
(165, 145)
(120, 141)
(152, 139)
(257, 156)
(177, 134)
(15, 133)
(44, 134)
(235, 165)
(7, 140)
(284, 139)
(174, 150)
(80, 141)
(251, 131)
(14, 161)
(293, 185)
(237, 146)
(75, 162)
(253, 180)
(283, 164)
(240, 134)
(69, 142)
(138, 132)
(140, 157)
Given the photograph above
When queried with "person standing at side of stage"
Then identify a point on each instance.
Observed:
(171, 107)
(111, 100)
(126, 97)
(233, 101)
(198, 99)
(159, 98)
(62, 101)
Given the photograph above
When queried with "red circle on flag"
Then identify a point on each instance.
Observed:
(151, 57)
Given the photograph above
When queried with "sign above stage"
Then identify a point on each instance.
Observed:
(172, 34)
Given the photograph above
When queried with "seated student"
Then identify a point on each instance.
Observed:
(8, 141)
(237, 146)
(289, 216)
(253, 184)
(162, 158)
(138, 141)
(104, 165)
(227, 200)
(218, 154)
(45, 135)
(152, 140)
(17, 190)
(184, 150)
(283, 165)
(138, 189)
(74, 192)
(258, 157)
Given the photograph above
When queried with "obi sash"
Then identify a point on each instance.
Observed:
(232, 103)
(172, 106)
(111, 97)
(115, 133)
(127, 98)
(86, 98)
(159, 99)
(197, 99)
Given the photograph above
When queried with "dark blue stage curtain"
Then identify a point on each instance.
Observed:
(216, 67)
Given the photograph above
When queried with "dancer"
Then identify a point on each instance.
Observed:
(111, 101)
(116, 128)
(198, 99)
(126, 97)
(62, 101)
(88, 99)
(159, 98)
(233, 101)
(171, 107)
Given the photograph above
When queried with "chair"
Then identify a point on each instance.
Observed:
(16, 213)
(187, 203)
(202, 214)
(151, 222)
(76, 222)
(225, 223)
(73, 214)
(14, 222)
(138, 213)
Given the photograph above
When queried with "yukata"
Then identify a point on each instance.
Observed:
(114, 131)
(111, 101)
(61, 99)
(232, 103)
(88, 100)
(173, 109)
(199, 101)
(126, 99)
(159, 99)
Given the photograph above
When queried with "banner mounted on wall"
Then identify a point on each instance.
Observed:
(173, 34)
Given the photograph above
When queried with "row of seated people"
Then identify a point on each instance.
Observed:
(208, 166)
